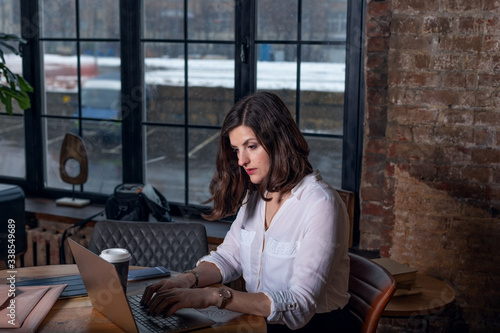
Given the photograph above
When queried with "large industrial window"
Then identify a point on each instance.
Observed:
(148, 83)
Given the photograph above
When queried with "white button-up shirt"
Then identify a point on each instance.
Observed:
(300, 262)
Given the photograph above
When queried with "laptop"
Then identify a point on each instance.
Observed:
(108, 297)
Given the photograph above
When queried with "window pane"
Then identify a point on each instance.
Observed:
(58, 18)
(326, 156)
(324, 20)
(105, 168)
(10, 15)
(202, 152)
(61, 80)
(164, 19)
(322, 85)
(164, 78)
(279, 69)
(212, 20)
(277, 19)
(99, 18)
(165, 167)
(211, 84)
(12, 147)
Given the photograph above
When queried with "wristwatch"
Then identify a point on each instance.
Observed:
(225, 296)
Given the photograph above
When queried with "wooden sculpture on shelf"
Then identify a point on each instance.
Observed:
(73, 168)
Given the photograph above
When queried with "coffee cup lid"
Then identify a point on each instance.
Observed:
(115, 255)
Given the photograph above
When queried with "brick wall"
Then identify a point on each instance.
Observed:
(430, 190)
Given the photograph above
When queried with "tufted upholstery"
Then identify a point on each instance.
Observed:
(176, 246)
(371, 287)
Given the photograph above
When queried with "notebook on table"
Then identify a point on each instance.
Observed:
(108, 297)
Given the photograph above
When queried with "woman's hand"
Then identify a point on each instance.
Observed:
(168, 301)
(161, 286)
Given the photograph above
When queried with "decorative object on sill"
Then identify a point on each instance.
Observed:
(73, 168)
(15, 86)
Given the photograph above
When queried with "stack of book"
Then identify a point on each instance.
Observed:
(403, 274)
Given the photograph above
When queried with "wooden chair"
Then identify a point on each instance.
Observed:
(371, 287)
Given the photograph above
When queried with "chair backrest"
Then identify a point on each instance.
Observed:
(176, 246)
(371, 287)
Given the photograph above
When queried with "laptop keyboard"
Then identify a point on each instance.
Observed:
(157, 323)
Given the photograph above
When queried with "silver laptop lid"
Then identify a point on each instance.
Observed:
(103, 287)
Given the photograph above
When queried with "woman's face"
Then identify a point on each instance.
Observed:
(251, 154)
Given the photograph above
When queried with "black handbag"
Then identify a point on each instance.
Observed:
(134, 202)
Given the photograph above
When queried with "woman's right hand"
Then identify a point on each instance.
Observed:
(180, 281)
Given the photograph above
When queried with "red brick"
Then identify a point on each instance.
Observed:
(375, 179)
(490, 45)
(409, 6)
(471, 24)
(396, 132)
(440, 97)
(403, 96)
(379, 8)
(375, 146)
(492, 192)
(487, 118)
(486, 156)
(477, 174)
(447, 62)
(378, 28)
(375, 97)
(411, 42)
(457, 154)
(374, 160)
(406, 24)
(453, 134)
(377, 113)
(372, 194)
(490, 5)
(439, 25)
(376, 64)
(414, 151)
(461, 5)
(491, 80)
(374, 209)
(484, 98)
(411, 115)
(423, 134)
(484, 137)
(464, 44)
(456, 117)
(423, 171)
(414, 80)
(454, 79)
(376, 79)
(377, 44)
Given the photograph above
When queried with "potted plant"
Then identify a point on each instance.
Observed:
(12, 86)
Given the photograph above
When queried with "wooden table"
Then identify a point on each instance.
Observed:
(77, 314)
(434, 297)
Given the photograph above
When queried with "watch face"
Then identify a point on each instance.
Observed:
(225, 293)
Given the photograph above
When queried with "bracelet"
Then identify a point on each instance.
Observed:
(195, 275)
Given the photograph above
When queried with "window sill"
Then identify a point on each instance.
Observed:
(46, 209)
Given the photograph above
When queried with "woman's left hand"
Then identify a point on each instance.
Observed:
(169, 301)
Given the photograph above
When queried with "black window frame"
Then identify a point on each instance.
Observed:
(131, 73)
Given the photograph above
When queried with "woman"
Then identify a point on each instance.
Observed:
(289, 239)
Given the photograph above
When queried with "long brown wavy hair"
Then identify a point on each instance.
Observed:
(269, 118)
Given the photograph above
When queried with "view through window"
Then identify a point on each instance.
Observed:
(195, 58)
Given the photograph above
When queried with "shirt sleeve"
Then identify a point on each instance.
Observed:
(321, 250)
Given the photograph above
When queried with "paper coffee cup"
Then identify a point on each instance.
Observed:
(120, 258)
